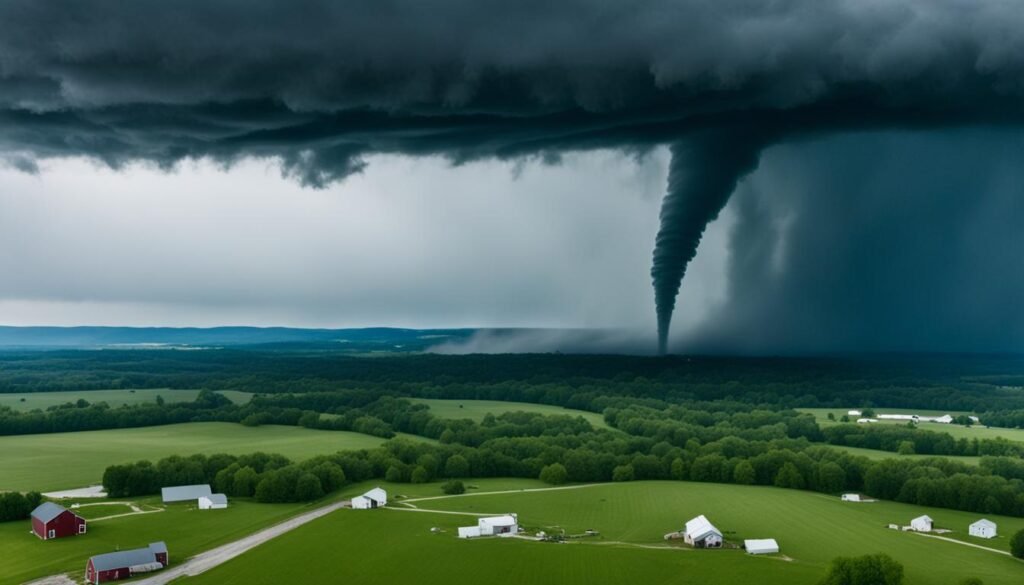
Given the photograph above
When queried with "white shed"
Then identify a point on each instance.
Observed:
(213, 502)
(762, 546)
(921, 524)
(469, 531)
(852, 498)
(853, 412)
(983, 529)
(701, 533)
(507, 525)
(375, 498)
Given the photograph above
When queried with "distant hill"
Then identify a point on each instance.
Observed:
(193, 337)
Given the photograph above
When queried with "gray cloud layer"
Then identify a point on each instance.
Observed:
(321, 84)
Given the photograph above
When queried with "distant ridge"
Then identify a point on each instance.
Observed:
(142, 337)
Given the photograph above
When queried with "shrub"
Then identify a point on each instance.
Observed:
(453, 487)
(622, 473)
(876, 569)
(554, 474)
(1017, 544)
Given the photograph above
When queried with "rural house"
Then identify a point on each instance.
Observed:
(921, 524)
(125, 564)
(375, 498)
(184, 493)
(507, 525)
(52, 521)
(213, 502)
(701, 533)
(762, 546)
(983, 529)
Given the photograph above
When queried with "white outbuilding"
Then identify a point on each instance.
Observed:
(921, 524)
(761, 546)
(507, 525)
(853, 412)
(853, 498)
(701, 533)
(375, 498)
(213, 502)
(983, 529)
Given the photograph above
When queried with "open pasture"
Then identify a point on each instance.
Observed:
(25, 401)
(477, 409)
(70, 460)
(631, 517)
(978, 431)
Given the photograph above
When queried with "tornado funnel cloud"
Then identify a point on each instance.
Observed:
(702, 175)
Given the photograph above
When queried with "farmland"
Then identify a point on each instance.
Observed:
(43, 400)
(875, 454)
(956, 431)
(631, 517)
(477, 409)
(70, 460)
(186, 531)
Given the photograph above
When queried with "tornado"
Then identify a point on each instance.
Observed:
(702, 175)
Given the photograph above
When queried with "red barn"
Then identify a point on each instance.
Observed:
(52, 521)
(125, 564)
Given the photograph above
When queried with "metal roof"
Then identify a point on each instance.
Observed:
(507, 520)
(217, 498)
(761, 545)
(47, 511)
(128, 558)
(377, 494)
(985, 522)
(183, 493)
(700, 527)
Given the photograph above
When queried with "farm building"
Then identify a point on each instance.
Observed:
(701, 533)
(52, 521)
(375, 498)
(862, 421)
(983, 529)
(921, 524)
(125, 564)
(910, 417)
(213, 502)
(507, 525)
(184, 493)
(853, 498)
(853, 413)
(761, 546)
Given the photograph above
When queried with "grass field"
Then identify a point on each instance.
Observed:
(957, 431)
(631, 517)
(186, 531)
(42, 400)
(70, 460)
(876, 455)
(476, 409)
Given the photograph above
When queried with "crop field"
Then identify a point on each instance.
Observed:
(957, 431)
(70, 460)
(631, 518)
(477, 409)
(42, 400)
(186, 530)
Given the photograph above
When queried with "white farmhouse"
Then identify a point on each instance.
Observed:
(375, 498)
(983, 529)
(507, 525)
(921, 524)
(762, 546)
(701, 533)
(213, 502)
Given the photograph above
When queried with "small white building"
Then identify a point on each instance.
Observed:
(983, 529)
(507, 525)
(852, 498)
(853, 413)
(701, 533)
(862, 421)
(921, 524)
(375, 498)
(912, 417)
(762, 546)
(213, 502)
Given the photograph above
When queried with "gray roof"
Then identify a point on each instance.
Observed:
(128, 558)
(184, 493)
(47, 511)
(217, 498)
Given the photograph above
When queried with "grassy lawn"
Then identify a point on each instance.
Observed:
(476, 409)
(70, 460)
(876, 455)
(186, 531)
(811, 529)
(957, 431)
(115, 398)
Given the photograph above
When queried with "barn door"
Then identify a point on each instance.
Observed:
(51, 533)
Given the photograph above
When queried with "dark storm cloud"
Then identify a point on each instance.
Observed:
(322, 84)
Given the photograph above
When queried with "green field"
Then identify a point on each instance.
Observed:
(631, 517)
(476, 409)
(957, 431)
(43, 400)
(186, 531)
(71, 460)
(875, 454)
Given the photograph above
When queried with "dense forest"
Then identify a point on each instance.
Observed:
(708, 419)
